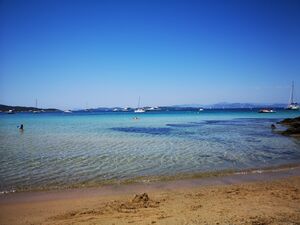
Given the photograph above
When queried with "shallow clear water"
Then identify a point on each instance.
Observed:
(58, 149)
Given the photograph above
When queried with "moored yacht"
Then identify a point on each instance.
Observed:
(266, 111)
(139, 110)
(10, 111)
(292, 105)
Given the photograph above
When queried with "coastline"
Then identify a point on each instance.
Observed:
(167, 183)
(144, 180)
(254, 197)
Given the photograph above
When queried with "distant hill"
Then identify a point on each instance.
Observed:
(183, 107)
(187, 107)
(5, 108)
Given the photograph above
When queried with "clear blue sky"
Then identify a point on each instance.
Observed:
(72, 54)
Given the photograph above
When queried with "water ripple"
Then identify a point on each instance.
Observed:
(62, 150)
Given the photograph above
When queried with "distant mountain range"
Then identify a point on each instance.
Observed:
(226, 105)
(222, 105)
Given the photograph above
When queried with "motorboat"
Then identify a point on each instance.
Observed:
(266, 111)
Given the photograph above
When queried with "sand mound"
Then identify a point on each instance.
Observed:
(141, 201)
(138, 202)
(143, 198)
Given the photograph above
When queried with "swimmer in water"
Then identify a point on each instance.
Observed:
(21, 127)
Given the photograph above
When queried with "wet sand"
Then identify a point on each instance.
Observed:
(253, 197)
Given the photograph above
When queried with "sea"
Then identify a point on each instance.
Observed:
(63, 150)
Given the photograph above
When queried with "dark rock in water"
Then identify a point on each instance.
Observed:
(293, 127)
(292, 132)
(290, 121)
(273, 126)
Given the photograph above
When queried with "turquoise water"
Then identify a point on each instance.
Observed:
(60, 150)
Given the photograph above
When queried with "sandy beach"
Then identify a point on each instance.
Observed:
(257, 198)
(170, 112)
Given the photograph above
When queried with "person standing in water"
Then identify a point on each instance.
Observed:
(21, 127)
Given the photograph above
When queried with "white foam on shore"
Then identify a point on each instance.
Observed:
(7, 192)
(259, 171)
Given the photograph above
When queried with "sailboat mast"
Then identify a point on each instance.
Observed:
(291, 95)
(139, 102)
(292, 92)
(292, 105)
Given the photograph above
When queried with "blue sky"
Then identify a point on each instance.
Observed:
(72, 54)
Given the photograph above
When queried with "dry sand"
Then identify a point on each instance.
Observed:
(256, 203)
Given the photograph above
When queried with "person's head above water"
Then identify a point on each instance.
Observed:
(21, 127)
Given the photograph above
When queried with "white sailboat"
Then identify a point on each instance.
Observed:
(139, 110)
(292, 105)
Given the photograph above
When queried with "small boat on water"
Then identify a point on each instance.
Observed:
(67, 111)
(10, 112)
(155, 108)
(292, 105)
(139, 110)
(201, 109)
(266, 111)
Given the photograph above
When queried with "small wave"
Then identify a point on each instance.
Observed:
(7, 192)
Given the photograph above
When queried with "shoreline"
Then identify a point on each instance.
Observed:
(170, 183)
(144, 180)
(250, 198)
